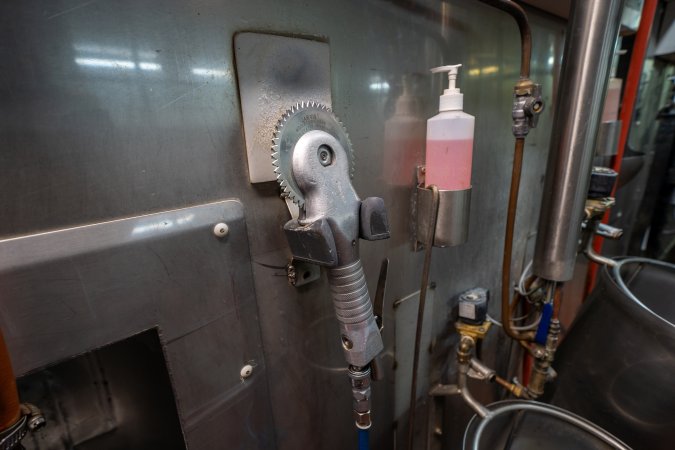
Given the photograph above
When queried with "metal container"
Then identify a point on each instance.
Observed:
(589, 48)
(525, 425)
(452, 223)
(616, 365)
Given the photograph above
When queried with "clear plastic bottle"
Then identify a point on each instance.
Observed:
(449, 151)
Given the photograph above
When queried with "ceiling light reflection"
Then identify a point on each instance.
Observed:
(489, 70)
(379, 86)
(103, 50)
(149, 66)
(105, 63)
(206, 72)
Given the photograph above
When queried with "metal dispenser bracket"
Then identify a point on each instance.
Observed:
(452, 223)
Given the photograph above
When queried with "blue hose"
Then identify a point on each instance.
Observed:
(542, 330)
(364, 441)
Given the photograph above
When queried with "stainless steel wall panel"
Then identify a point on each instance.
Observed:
(97, 140)
(70, 291)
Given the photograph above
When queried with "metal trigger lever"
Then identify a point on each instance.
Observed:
(376, 372)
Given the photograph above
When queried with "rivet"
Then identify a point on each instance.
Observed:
(246, 371)
(221, 229)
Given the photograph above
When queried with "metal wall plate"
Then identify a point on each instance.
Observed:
(74, 290)
(274, 73)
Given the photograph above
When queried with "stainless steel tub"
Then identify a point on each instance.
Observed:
(616, 366)
(521, 425)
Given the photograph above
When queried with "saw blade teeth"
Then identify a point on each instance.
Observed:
(288, 123)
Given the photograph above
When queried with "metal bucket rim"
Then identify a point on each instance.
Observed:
(503, 406)
(618, 280)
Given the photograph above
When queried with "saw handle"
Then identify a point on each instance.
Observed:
(361, 340)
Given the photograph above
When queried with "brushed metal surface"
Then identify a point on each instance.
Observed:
(452, 227)
(117, 397)
(592, 33)
(70, 291)
(608, 139)
(632, 394)
(275, 73)
(85, 136)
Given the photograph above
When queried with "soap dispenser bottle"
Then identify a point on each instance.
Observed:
(449, 139)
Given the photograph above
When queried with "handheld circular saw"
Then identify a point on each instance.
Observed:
(314, 163)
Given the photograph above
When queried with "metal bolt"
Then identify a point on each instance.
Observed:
(346, 343)
(246, 371)
(36, 422)
(221, 229)
(325, 155)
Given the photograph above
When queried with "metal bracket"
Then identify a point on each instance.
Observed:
(301, 273)
(452, 223)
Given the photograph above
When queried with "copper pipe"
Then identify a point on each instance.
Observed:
(520, 17)
(508, 244)
(9, 396)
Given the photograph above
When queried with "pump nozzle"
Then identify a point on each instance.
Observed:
(451, 99)
(452, 76)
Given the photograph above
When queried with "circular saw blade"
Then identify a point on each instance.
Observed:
(294, 123)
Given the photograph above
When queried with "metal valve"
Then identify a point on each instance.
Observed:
(527, 107)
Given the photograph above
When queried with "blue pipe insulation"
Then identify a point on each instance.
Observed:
(542, 330)
(364, 441)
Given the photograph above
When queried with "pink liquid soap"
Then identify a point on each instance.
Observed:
(448, 164)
